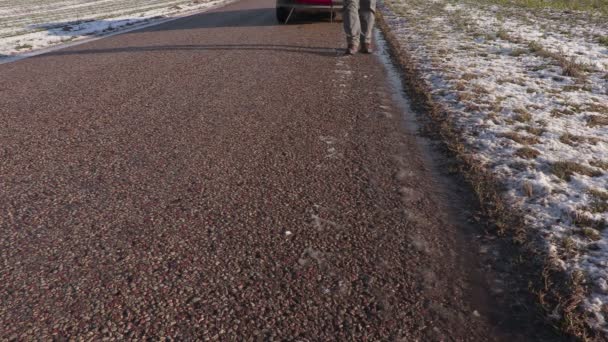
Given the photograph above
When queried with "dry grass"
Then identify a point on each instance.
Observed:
(599, 194)
(522, 115)
(575, 140)
(565, 169)
(521, 139)
(504, 35)
(527, 189)
(480, 90)
(591, 234)
(469, 76)
(527, 153)
(538, 49)
(597, 120)
(538, 131)
(583, 220)
(519, 81)
(518, 52)
(569, 246)
(570, 87)
(558, 293)
(576, 87)
(465, 96)
(569, 66)
(599, 204)
(571, 139)
(492, 116)
(557, 113)
(23, 47)
(602, 164)
(598, 108)
(593, 6)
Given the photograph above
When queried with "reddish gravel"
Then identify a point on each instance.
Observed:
(225, 178)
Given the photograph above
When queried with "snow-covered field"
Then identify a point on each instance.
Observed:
(529, 90)
(28, 25)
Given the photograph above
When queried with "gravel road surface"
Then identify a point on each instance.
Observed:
(222, 177)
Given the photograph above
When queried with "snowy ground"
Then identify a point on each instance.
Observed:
(28, 25)
(529, 89)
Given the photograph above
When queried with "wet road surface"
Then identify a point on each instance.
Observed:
(222, 177)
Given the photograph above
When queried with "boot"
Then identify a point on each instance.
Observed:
(367, 48)
(351, 49)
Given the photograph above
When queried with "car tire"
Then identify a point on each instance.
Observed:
(282, 14)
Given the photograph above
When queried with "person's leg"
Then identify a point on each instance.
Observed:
(352, 26)
(367, 14)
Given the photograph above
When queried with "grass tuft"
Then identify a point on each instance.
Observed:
(528, 189)
(584, 220)
(521, 139)
(602, 164)
(558, 113)
(597, 120)
(518, 52)
(569, 246)
(599, 202)
(469, 76)
(527, 153)
(570, 67)
(23, 47)
(504, 35)
(538, 131)
(522, 115)
(565, 169)
(592, 234)
(571, 139)
(597, 108)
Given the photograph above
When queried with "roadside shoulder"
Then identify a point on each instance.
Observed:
(541, 274)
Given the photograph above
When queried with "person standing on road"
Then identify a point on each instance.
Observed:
(358, 24)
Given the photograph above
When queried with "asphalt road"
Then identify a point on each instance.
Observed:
(222, 177)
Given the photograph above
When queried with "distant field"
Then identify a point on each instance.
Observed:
(597, 6)
(18, 15)
(27, 25)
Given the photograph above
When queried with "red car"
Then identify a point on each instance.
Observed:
(286, 8)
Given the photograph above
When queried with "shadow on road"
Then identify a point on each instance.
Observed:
(215, 19)
(319, 51)
(258, 17)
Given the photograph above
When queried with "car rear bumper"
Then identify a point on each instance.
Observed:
(303, 4)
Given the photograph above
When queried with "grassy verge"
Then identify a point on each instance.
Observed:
(557, 294)
(593, 6)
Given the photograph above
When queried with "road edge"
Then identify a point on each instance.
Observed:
(558, 295)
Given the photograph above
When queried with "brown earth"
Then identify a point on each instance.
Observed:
(224, 177)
